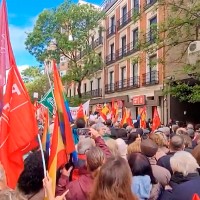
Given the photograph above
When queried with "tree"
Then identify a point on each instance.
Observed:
(66, 31)
(39, 85)
(31, 72)
(180, 27)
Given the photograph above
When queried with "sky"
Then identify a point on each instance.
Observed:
(22, 14)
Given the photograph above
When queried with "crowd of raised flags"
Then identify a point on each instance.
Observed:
(18, 124)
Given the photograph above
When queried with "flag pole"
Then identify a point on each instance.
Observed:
(42, 153)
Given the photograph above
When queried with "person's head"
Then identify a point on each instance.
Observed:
(108, 122)
(122, 147)
(196, 153)
(100, 127)
(190, 126)
(30, 181)
(181, 131)
(121, 133)
(174, 128)
(176, 143)
(183, 162)
(197, 127)
(116, 125)
(114, 181)
(84, 144)
(190, 133)
(134, 147)
(125, 125)
(94, 159)
(160, 139)
(140, 166)
(181, 124)
(129, 129)
(91, 122)
(148, 147)
(165, 130)
(112, 145)
(187, 141)
(80, 123)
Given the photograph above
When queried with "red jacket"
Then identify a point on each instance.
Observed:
(80, 188)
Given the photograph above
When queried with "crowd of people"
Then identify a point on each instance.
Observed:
(118, 163)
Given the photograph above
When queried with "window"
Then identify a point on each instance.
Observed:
(112, 51)
(135, 38)
(123, 45)
(98, 83)
(111, 86)
(112, 24)
(153, 28)
(152, 68)
(85, 87)
(91, 85)
(124, 14)
(123, 75)
(134, 80)
(136, 6)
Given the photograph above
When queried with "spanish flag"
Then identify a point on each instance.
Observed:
(156, 119)
(124, 117)
(58, 155)
(143, 114)
(104, 112)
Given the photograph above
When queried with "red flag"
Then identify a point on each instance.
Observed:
(156, 120)
(124, 117)
(104, 111)
(129, 119)
(18, 124)
(80, 112)
(4, 40)
(113, 109)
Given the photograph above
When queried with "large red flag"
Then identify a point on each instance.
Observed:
(80, 112)
(18, 124)
(156, 120)
(4, 39)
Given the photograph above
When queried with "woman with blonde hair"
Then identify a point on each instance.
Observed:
(161, 140)
(114, 181)
(112, 145)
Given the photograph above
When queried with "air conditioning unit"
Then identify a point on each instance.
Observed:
(194, 52)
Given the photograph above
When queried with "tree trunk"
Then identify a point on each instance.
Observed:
(79, 89)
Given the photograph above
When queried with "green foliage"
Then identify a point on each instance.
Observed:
(39, 85)
(50, 38)
(31, 72)
(76, 101)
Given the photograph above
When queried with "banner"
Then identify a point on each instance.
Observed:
(48, 101)
(74, 110)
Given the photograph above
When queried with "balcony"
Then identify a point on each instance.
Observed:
(149, 3)
(111, 31)
(109, 88)
(151, 37)
(126, 50)
(93, 93)
(127, 84)
(150, 78)
(127, 18)
(97, 42)
(110, 59)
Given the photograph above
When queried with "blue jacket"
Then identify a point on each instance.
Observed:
(183, 191)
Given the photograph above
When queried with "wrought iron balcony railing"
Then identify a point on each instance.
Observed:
(111, 31)
(149, 3)
(93, 93)
(110, 59)
(150, 78)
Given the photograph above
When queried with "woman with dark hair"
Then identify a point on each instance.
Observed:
(113, 181)
(144, 184)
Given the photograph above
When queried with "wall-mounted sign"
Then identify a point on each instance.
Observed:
(139, 100)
